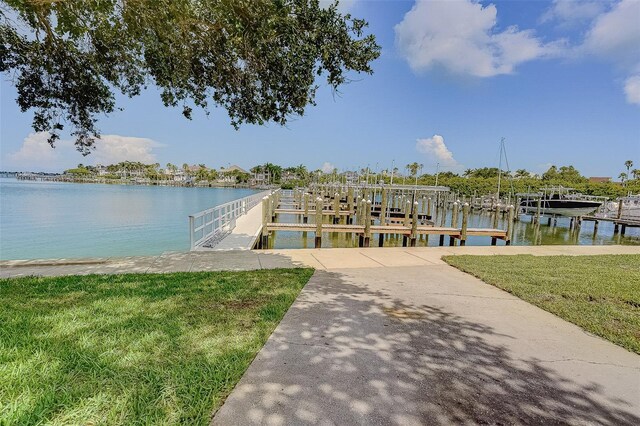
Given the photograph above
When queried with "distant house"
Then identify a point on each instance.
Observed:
(180, 176)
(175, 175)
(288, 176)
(599, 179)
(194, 169)
(228, 174)
(232, 169)
(260, 179)
(101, 170)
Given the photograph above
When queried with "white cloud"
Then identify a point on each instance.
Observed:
(632, 89)
(461, 36)
(327, 167)
(436, 150)
(36, 154)
(570, 12)
(615, 37)
(112, 149)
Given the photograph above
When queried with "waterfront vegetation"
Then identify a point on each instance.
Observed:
(480, 181)
(601, 294)
(136, 348)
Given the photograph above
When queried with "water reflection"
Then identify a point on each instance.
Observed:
(554, 232)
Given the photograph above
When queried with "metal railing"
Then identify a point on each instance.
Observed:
(208, 224)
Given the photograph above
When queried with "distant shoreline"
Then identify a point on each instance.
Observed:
(45, 177)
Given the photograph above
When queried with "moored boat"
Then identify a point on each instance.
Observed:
(560, 201)
(630, 209)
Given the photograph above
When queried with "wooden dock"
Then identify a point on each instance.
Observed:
(387, 229)
(359, 216)
(619, 224)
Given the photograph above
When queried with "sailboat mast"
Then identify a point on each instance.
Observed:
(500, 168)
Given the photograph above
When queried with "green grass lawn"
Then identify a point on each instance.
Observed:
(133, 349)
(599, 293)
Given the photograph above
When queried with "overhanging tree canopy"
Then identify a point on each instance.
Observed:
(259, 59)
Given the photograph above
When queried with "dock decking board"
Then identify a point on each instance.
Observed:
(621, 221)
(387, 229)
(312, 212)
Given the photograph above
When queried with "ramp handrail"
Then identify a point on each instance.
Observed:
(206, 224)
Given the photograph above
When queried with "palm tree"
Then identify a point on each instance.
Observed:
(413, 168)
(302, 172)
(623, 177)
(202, 173)
(635, 173)
(275, 172)
(628, 164)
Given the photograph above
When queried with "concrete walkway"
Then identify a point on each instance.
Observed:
(425, 345)
(238, 260)
(396, 336)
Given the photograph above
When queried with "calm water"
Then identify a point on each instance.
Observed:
(53, 220)
(524, 234)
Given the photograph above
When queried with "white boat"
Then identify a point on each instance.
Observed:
(559, 201)
(630, 208)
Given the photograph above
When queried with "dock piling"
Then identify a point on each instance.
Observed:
(414, 224)
(510, 220)
(454, 221)
(264, 241)
(367, 224)
(383, 207)
(407, 212)
(443, 219)
(319, 203)
(465, 221)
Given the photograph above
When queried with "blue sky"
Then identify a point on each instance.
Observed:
(559, 80)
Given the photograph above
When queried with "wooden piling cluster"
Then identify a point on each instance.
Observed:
(619, 225)
(411, 213)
